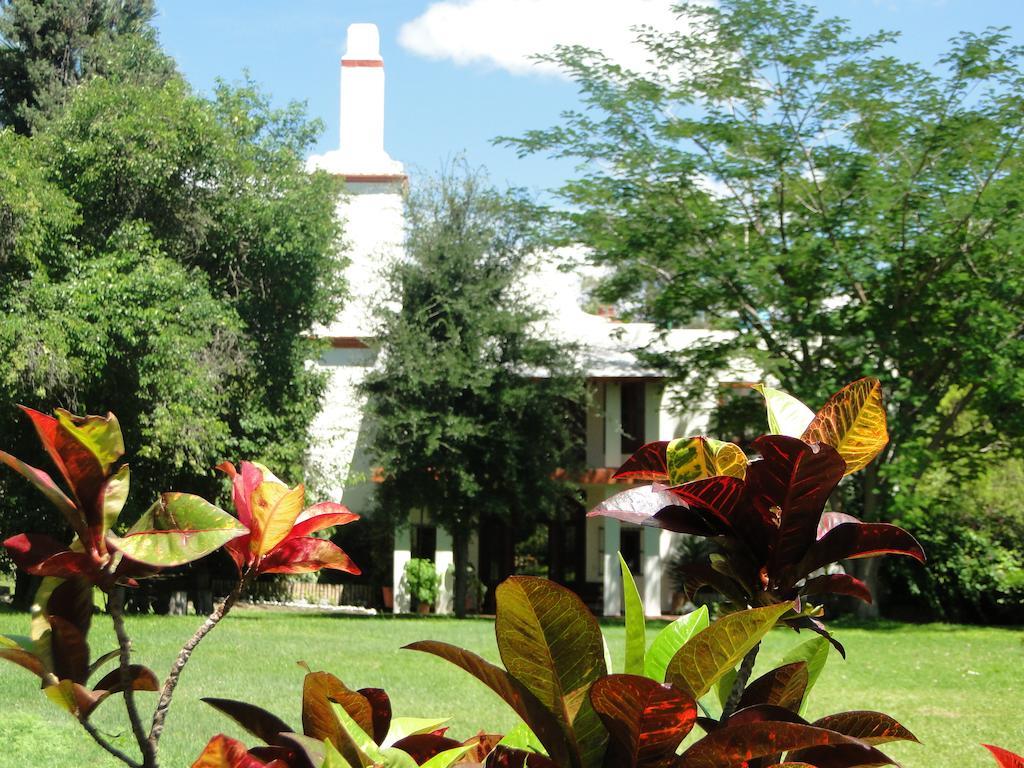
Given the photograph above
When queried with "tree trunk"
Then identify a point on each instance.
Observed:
(867, 570)
(460, 552)
(25, 587)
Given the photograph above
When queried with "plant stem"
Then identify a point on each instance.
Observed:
(740, 683)
(91, 730)
(116, 608)
(156, 730)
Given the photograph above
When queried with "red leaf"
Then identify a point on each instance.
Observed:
(648, 463)
(503, 757)
(869, 727)
(262, 724)
(837, 584)
(41, 555)
(306, 555)
(783, 687)
(735, 745)
(242, 485)
(25, 659)
(326, 514)
(140, 678)
(702, 507)
(646, 720)
(224, 752)
(798, 479)
(319, 691)
(1004, 757)
(69, 649)
(853, 540)
(841, 756)
(54, 494)
(380, 712)
(423, 746)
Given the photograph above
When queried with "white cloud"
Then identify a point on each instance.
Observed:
(505, 33)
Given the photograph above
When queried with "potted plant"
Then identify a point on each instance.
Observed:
(421, 583)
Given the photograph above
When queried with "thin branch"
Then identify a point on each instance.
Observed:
(740, 683)
(167, 692)
(98, 738)
(116, 608)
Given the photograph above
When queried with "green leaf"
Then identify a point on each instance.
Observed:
(541, 721)
(815, 653)
(178, 529)
(786, 415)
(114, 495)
(720, 647)
(333, 758)
(636, 627)
(448, 757)
(552, 644)
(521, 737)
(411, 726)
(671, 639)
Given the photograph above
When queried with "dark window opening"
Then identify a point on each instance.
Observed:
(629, 547)
(424, 541)
(632, 416)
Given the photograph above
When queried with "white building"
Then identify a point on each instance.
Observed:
(630, 403)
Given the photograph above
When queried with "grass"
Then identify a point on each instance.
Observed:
(953, 686)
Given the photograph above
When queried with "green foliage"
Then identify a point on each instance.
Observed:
(421, 580)
(181, 258)
(839, 211)
(50, 46)
(472, 412)
(974, 534)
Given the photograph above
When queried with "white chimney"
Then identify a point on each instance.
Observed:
(362, 94)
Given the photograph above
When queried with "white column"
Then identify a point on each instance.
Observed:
(652, 411)
(443, 558)
(612, 574)
(653, 570)
(612, 427)
(403, 553)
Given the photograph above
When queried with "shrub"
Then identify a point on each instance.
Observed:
(421, 581)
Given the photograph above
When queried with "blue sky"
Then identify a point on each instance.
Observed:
(455, 77)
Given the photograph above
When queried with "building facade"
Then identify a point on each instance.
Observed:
(630, 404)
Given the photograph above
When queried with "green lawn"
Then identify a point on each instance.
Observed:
(953, 686)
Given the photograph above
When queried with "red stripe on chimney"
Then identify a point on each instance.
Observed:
(362, 63)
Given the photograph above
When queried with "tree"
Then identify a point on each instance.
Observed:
(841, 212)
(47, 47)
(169, 255)
(472, 410)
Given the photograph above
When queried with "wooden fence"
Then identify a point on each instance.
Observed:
(311, 592)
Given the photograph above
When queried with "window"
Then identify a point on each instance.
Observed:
(629, 546)
(632, 416)
(424, 541)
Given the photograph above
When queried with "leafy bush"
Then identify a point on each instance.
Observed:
(421, 581)
(975, 534)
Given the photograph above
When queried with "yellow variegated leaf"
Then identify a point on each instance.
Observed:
(729, 459)
(853, 422)
(275, 508)
(114, 495)
(695, 458)
(786, 415)
(99, 434)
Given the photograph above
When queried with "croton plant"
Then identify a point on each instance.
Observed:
(269, 534)
(686, 700)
